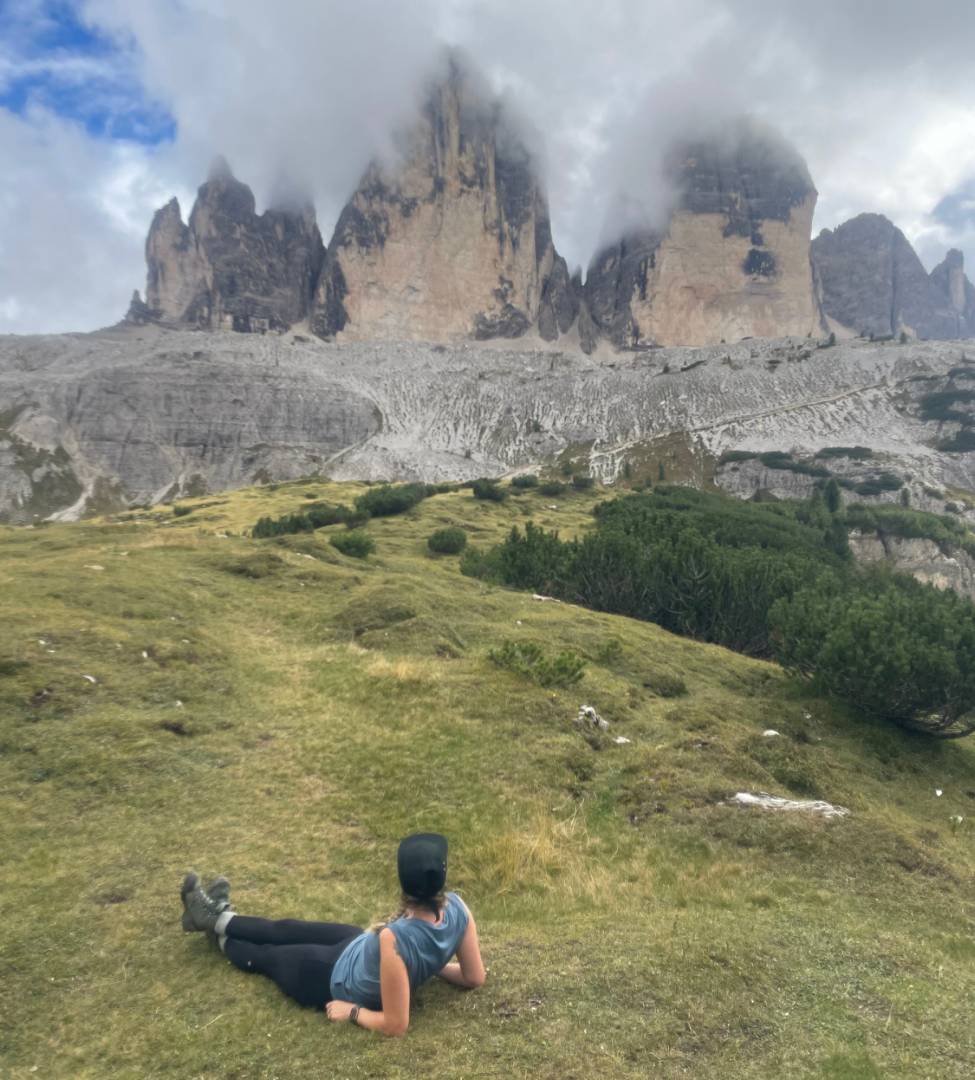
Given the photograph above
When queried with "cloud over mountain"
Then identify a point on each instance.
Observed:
(875, 95)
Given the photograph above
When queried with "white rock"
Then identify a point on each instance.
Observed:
(93, 566)
(588, 715)
(621, 740)
(145, 655)
(90, 678)
(771, 733)
(550, 599)
(773, 802)
(938, 792)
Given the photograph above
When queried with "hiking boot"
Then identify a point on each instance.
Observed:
(190, 882)
(219, 891)
(203, 908)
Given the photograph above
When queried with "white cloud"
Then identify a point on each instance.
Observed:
(69, 254)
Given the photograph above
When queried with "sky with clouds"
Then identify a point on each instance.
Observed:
(109, 107)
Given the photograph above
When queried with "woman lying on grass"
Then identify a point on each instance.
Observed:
(366, 976)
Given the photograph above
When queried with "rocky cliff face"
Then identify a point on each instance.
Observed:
(453, 241)
(733, 261)
(923, 559)
(138, 414)
(230, 268)
(950, 280)
(873, 283)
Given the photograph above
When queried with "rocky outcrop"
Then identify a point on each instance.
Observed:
(950, 280)
(230, 268)
(452, 241)
(873, 283)
(732, 262)
(930, 562)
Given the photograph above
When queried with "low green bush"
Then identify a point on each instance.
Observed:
(855, 453)
(524, 481)
(610, 652)
(488, 490)
(450, 541)
(356, 543)
(389, 499)
(893, 648)
(528, 659)
(182, 511)
(551, 488)
(877, 485)
(771, 580)
(941, 405)
(962, 442)
(582, 483)
(313, 517)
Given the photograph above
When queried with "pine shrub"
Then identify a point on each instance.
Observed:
(389, 499)
(356, 543)
(529, 660)
(488, 490)
(450, 541)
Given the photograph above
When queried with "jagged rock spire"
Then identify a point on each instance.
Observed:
(452, 241)
(873, 282)
(731, 262)
(228, 267)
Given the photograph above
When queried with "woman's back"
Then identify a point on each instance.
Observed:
(425, 948)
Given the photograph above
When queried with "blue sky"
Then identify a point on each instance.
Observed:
(50, 58)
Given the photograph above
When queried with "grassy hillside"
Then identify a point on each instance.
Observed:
(278, 712)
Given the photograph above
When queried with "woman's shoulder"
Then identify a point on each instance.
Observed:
(457, 902)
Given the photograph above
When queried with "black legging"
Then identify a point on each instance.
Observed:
(298, 956)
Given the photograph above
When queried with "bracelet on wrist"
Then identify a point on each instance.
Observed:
(354, 1015)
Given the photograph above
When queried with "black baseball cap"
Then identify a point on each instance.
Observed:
(422, 864)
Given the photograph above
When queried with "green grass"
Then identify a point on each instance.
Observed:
(633, 925)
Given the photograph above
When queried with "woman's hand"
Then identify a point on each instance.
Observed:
(338, 1011)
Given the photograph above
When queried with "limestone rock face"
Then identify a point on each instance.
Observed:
(873, 282)
(137, 414)
(451, 242)
(230, 268)
(732, 262)
(950, 280)
(922, 559)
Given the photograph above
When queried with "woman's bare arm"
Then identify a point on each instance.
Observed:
(469, 972)
(394, 989)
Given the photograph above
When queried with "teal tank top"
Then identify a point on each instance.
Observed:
(425, 949)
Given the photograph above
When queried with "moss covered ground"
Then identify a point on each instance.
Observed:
(281, 713)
